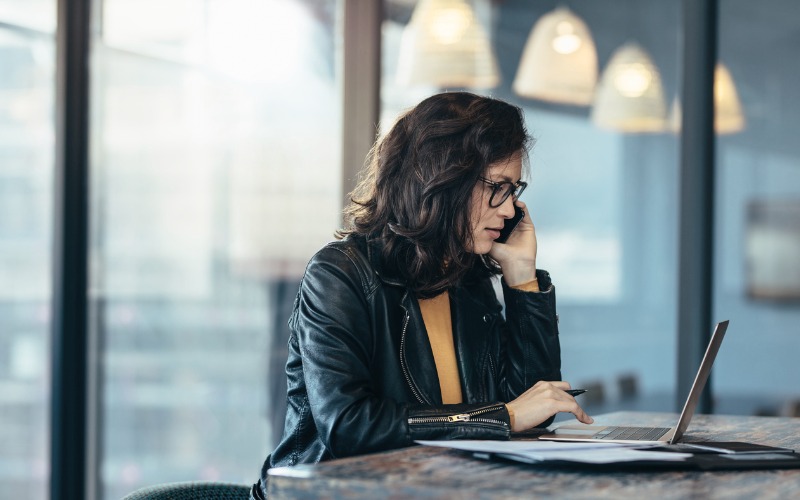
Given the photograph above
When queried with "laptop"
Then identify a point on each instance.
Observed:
(637, 434)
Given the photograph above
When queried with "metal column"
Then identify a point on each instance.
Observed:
(360, 80)
(695, 273)
(68, 411)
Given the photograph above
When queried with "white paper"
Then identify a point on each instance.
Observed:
(543, 451)
(490, 446)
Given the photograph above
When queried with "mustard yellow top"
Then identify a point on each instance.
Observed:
(438, 323)
(436, 315)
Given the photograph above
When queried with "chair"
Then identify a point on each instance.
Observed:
(192, 490)
(595, 393)
(792, 408)
(628, 384)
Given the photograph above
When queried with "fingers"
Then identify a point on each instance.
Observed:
(523, 206)
(582, 416)
(527, 219)
(543, 400)
(564, 402)
(558, 384)
(574, 408)
(550, 390)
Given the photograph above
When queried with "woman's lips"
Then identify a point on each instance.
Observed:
(495, 233)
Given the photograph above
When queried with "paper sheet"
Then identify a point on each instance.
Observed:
(543, 451)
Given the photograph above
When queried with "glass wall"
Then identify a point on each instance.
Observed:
(757, 272)
(216, 140)
(216, 175)
(27, 89)
(604, 189)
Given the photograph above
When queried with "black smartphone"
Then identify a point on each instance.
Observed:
(511, 224)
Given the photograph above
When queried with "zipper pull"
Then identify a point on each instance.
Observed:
(458, 418)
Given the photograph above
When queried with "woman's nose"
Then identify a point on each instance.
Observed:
(506, 209)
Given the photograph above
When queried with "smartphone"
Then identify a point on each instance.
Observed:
(511, 224)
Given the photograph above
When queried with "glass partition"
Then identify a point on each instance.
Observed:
(757, 256)
(216, 176)
(603, 172)
(216, 140)
(27, 147)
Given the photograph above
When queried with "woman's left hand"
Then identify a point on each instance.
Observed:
(517, 256)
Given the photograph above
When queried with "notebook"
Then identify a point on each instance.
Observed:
(638, 434)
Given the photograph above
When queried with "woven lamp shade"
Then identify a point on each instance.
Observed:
(629, 96)
(559, 62)
(445, 45)
(728, 115)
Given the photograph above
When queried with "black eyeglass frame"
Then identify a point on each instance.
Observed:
(515, 190)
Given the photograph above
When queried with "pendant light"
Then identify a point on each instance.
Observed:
(559, 62)
(728, 116)
(445, 45)
(630, 97)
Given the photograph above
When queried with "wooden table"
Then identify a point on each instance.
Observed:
(429, 472)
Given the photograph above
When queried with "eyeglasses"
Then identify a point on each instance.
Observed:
(502, 190)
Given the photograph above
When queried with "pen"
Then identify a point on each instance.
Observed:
(575, 392)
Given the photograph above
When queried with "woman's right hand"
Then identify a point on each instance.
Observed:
(541, 402)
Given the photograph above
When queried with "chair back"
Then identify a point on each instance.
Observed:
(192, 490)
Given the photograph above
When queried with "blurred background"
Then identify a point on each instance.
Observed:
(220, 157)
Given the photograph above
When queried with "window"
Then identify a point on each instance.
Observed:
(604, 201)
(216, 176)
(216, 146)
(27, 59)
(757, 269)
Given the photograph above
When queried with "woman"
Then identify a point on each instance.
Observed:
(396, 333)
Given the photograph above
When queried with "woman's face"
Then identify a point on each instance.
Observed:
(485, 221)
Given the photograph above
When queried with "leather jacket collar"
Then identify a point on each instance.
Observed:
(374, 249)
(472, 317)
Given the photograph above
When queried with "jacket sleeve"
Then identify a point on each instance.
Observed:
(530, 350)
(335, 335)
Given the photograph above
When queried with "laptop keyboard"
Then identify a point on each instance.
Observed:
(632, 433)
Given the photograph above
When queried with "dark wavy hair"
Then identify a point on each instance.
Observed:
(415, 193)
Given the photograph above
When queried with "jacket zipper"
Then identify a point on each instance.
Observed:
(403, 357)
(462, 417)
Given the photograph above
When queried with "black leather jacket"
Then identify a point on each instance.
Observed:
(361, 374)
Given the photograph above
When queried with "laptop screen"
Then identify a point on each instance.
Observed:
(700, 380)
